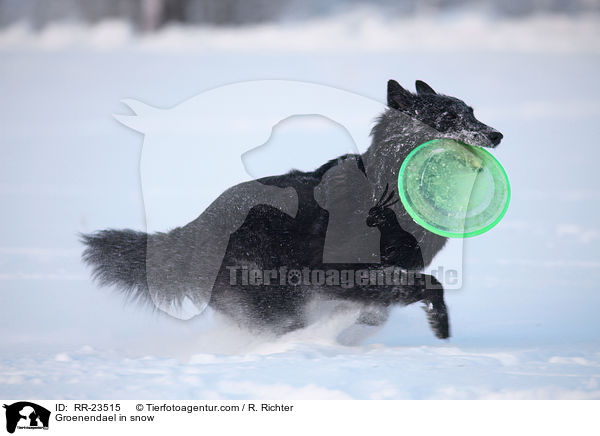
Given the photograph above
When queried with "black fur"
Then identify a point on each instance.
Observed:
(270, 238)
(118, 257)
(396, 247)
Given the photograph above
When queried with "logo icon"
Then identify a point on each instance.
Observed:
(26, 415)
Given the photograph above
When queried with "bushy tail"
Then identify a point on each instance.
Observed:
(118, 257)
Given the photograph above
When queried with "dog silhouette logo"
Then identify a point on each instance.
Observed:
(26, 415)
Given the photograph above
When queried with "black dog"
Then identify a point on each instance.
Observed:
(279, 243)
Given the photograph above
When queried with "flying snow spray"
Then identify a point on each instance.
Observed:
(453, 189)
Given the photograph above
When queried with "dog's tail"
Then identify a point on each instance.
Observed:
(159, 269)
(118, 257)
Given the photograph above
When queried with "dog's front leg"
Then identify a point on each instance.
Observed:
(428, 290)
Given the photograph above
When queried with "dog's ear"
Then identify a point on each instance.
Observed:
(398, 97)
(424, 88)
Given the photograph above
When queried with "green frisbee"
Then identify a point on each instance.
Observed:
(453, 189)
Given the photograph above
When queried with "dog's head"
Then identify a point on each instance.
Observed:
(452, 117)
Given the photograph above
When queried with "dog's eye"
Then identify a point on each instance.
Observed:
(449, 116)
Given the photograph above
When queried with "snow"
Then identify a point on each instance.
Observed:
(310, 371)
(524, 324)
(359, 29)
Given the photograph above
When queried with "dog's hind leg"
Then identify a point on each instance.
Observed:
(370, 320)
(373, 315)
